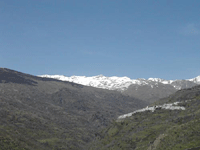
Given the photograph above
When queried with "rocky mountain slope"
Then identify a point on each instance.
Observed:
(43, 113)
(172, 123)
(149, 90)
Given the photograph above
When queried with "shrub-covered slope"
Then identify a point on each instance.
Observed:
(41, 114)
(163, 129)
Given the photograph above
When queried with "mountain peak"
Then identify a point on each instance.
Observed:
(195, 80)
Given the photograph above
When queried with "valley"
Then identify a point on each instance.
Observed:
(46, 113)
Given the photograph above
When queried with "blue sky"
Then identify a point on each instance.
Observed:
(134, 38)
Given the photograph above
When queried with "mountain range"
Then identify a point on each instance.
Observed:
(122, 83)
(45, 113)
(149, 90)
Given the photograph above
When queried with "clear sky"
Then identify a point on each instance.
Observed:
(133, 38)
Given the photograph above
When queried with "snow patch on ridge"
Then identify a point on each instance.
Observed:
(195, 80)
(161, 80)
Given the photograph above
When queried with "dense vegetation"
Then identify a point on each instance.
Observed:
(158, 130)
(42, 114)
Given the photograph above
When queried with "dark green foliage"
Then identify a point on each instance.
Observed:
(43, 114)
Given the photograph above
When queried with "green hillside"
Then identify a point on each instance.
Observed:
(47, 114)
(159, 130)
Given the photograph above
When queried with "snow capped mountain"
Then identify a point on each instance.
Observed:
(100, 81)
(122, 83)
(195, 80)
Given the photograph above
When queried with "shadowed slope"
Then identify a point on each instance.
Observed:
(54, 114)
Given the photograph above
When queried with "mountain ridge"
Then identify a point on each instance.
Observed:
(149, 90)
(119, 83)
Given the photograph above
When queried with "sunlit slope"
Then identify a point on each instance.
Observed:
(162, 129)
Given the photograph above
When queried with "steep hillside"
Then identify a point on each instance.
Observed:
(170, 124)
(148, 93)
(42, 113)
